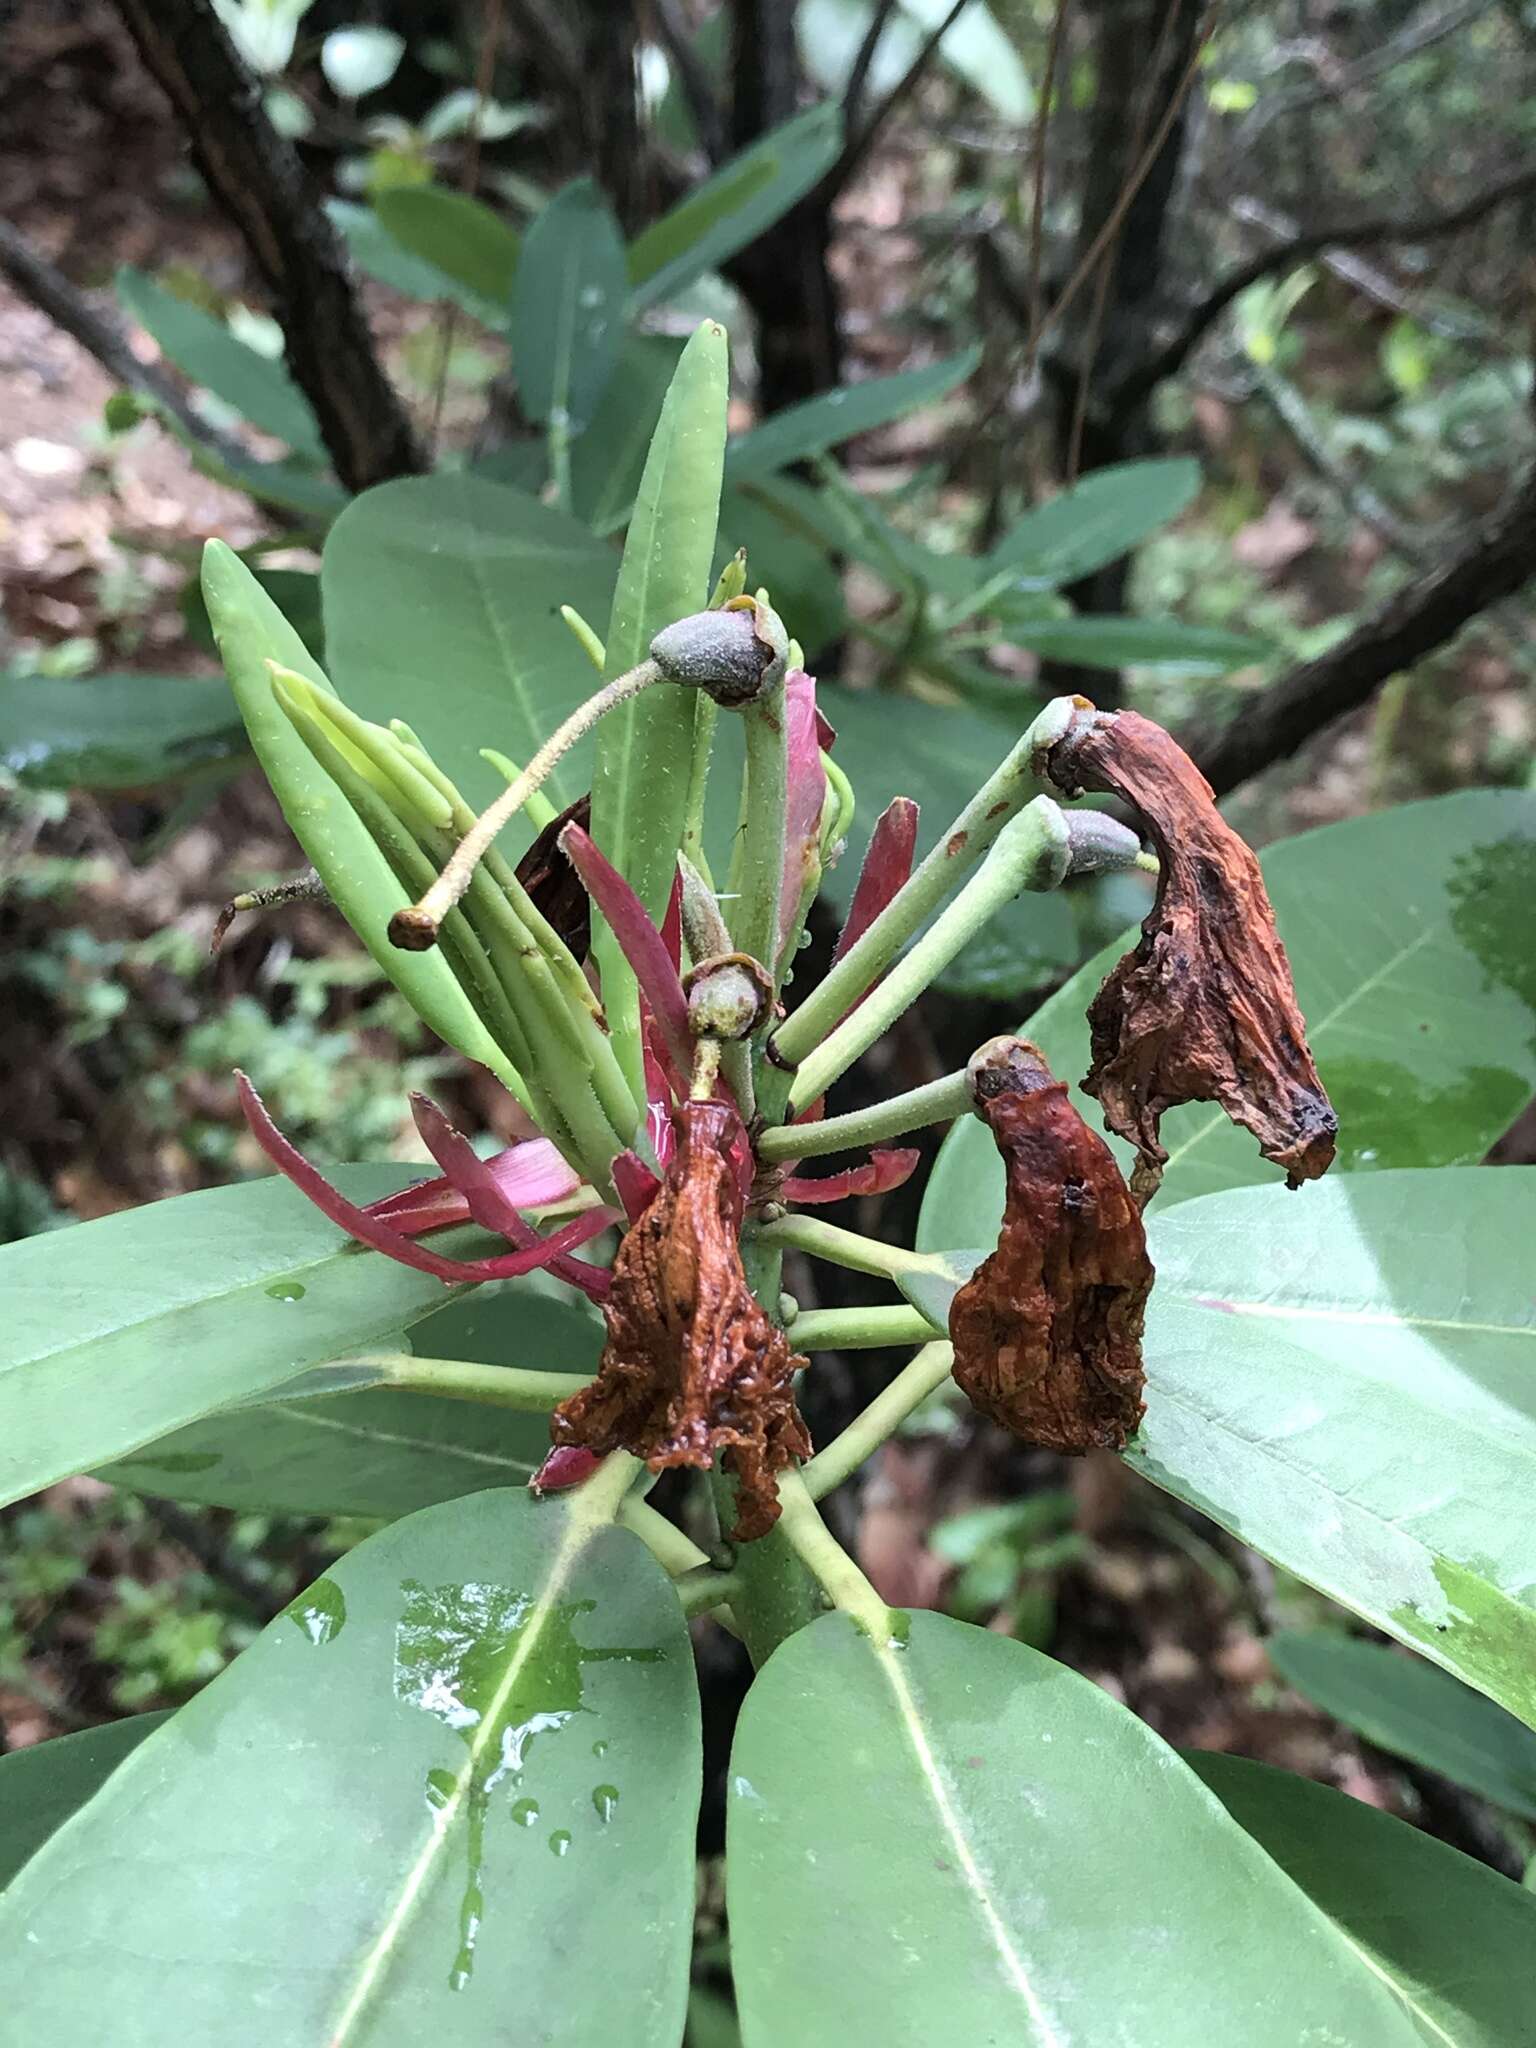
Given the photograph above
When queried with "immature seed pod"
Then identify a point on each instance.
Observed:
(735, 654)
(728, 997)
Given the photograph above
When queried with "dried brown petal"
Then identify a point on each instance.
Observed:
(1047, 1331)
(1204, 1009)
(692, 1364)
(545, 871)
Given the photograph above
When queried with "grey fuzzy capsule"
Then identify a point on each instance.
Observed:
(735, 654)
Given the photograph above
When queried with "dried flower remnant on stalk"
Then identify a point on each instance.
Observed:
(692, 1364)
(1203, 1010)
(1047, 1330)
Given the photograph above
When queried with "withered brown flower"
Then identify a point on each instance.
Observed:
(545, 871)
(692, 1364)
(1047, 1330)
(1203, 1009)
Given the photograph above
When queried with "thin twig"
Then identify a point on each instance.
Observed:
(47, 288)
(855, 150)
(693, 78)
(1033, 290)
(1133, 183)
(858, 76)
(1201, 317)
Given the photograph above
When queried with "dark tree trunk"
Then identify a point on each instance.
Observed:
(256, 176)
(783, 275)
(1129, 109)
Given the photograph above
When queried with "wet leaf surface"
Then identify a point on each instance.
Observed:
(440, 1786)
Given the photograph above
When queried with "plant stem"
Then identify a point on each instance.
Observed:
(706, 1588)
(881, 1419)
(1031, 852)
(451, 1379)
(777, 1594)
(675, 1552)
(416, 929)
(827, 1561)
(936, 1102)
(997, 801)
(705, 712)
(858, 1329)
(755, 915)
(601, 1497)
(839, 1247)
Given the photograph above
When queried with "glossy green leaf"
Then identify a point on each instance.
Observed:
(1165, 646)
(441, 608)
(1411, 940)
(734, 207)
(1455, 1940)
(963, 1841)
(42, 1786)
(257, 386)
(251, 632)
(821, 423)
(1346, 1379)
(1412, 1710)
(448, 1795)
(116, 731)
(645, 749)
(567, 314)
(1096, 521)
(117, 1332)
(470, 248)
(379, 1452)
(608, 458)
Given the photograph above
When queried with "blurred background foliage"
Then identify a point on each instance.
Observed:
(1135, 346)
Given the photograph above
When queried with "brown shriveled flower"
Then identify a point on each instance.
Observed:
(1047, 1331)
(692, 1365)
(1203, 1010)
(546, 873)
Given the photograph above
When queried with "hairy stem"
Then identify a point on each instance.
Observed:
(858, 1329)
(1031, 853)
(881, 1419)
(936, 1102)
(837, 1246)
(827, 1561)
(416, 929)
(998, 800)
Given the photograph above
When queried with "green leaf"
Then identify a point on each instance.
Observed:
(567, 314)
(1409, 938)
(471, 251)
(644, 750)
(1453, 1939)
(382, 1453)
(121, 1330)
(608, 457)
(1165, 646)
(1346, 1379)
(441, 607)
(1410, 1709)
(735, 206)
(918, 1852)
(821, 423)
(295, 592)
(258, 388)
(382, 255)
(42, 1786)
(251, 631)
(1094, 522)
(448, 1795)
(116, 731)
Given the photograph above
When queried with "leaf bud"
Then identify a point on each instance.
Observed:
(728, 997)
